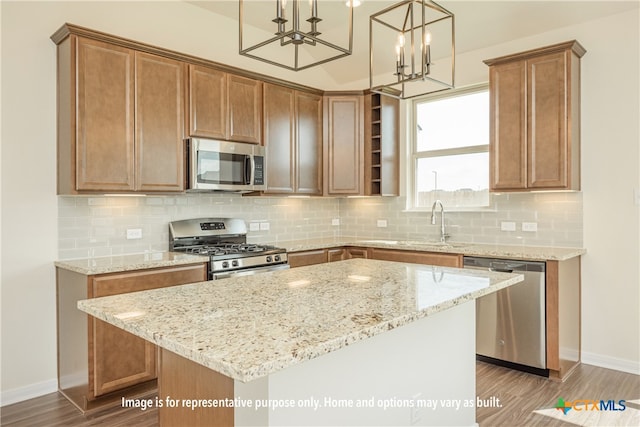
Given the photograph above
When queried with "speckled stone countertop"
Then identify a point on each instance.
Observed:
(532, 253)
(113, 264)
(251, 326)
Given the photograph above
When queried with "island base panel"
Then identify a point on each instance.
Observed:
(179, 380)
(430, 359)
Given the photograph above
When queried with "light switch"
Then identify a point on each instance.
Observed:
(529, 226)
(254, 226)
(335, 221)
(264, 226)
(382, 223)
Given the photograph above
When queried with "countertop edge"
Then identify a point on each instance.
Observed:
(131, 262)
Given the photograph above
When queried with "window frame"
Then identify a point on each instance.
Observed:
(413, 155)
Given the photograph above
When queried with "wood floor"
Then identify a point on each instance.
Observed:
(519, 394)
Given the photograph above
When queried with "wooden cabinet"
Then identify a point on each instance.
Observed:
(381, 145)
(343, 145)
(224, 106)
(535, 119)
(429, 258)
(120, 119)
(96, 360)
(301, 259)
(293, 141)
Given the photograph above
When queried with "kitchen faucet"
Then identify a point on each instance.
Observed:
(443, 235)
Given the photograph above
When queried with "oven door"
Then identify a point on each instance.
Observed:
(225, 166)
(248, 271)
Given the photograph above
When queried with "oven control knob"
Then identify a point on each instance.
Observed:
(234, 263)
(277, 258)
(225, 264)
(269, 259)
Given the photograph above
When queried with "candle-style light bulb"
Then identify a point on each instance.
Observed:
(427, 48)
(401, 40)
(397, 53)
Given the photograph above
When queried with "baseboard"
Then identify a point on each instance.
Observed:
(27, 392)
(624, 365)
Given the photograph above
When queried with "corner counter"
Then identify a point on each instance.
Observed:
(350, 330)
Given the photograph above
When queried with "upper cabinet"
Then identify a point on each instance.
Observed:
(224, 106)
(120, 119)
(343, 145)
(535, 119)
(293, 141)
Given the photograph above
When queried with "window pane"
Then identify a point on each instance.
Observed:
(460, 180)
(459, 121)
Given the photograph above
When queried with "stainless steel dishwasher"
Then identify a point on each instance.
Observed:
(511, 323)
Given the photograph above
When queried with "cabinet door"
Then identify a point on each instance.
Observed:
(207, 102)
(279, 139)
(508, 129)
(308, 143)
(244, 97)
(428, 258)
(159, 123)
(547, 113)
(343, 145)
(356, 253)
(105, 118)
(336, 254)
(118, 358)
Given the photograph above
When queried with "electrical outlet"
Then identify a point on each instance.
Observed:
(335, 221)
(508, 226)
(264, 226)
(382, 223)
(134, 233)
(254, 226)
(529, 226)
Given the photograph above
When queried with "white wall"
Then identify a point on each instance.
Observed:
(611, 276)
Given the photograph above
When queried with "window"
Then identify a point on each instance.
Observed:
(450, 150)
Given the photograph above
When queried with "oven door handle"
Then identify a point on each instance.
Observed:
(249, 271)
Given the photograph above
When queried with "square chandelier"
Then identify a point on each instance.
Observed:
(418, 41)
(294, 35)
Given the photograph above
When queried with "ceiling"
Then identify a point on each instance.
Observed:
(478, 24)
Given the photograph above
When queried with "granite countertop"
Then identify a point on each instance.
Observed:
(531, 253)
(113, 264)
(251, 326)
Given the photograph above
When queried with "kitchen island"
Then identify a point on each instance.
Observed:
(357, 342)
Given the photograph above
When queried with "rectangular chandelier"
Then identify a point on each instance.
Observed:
(295, 37)
(418, 41)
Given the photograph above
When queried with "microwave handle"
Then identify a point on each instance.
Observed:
(248, 168)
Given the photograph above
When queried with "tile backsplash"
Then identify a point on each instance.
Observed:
(558, 217)
(97, 225)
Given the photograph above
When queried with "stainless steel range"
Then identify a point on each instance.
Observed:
(224, 240)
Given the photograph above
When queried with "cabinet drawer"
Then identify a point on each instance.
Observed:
(300, 259)
(429, 258)
(121, 283)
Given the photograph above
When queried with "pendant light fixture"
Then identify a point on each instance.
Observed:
(418, 40)
(286, 39)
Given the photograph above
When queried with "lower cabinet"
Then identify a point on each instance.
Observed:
(429, 258)
(319, 256)
(95, 359)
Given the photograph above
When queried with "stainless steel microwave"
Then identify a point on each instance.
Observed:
(225, 166)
